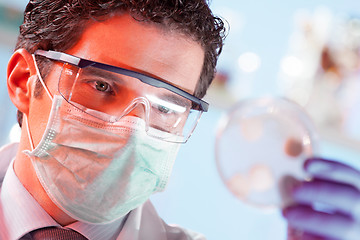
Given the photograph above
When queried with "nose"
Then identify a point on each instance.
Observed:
(139, 107)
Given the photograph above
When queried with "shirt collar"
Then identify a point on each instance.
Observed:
(22, 213)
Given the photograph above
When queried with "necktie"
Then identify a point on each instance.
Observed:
(53, 233)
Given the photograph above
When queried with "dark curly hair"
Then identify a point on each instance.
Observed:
(58, 24)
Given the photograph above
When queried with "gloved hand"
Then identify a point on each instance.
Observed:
(328, 206)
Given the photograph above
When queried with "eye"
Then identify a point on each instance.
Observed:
(102, 86)
(163, 109)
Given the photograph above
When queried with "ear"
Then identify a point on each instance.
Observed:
(20, 74)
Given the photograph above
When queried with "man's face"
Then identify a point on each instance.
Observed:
(121, 41)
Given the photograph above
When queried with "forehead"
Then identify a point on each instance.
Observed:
(143, 47)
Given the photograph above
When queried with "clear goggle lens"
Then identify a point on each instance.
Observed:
(116, 95)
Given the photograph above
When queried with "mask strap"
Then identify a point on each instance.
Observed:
(41, 80)
(28, 133)
(47, 92)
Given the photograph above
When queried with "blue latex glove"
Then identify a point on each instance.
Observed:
(328, 206)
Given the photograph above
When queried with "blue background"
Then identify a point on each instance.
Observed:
(196, 198)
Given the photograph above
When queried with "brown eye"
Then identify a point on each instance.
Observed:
(163, 109)
(102, 86)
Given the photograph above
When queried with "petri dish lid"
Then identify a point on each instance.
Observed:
(258, 143)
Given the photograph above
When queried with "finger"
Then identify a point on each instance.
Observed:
(336, 196)
(287, 185)
(333, 171)
(295, 234)
(333, 226)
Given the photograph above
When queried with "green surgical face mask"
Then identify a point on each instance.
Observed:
(96, 171)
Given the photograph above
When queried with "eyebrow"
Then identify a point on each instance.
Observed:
(177, 99)
(103, 74)
(117, 77)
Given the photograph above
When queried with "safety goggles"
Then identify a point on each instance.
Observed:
(97, 87)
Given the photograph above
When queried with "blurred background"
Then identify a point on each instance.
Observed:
(307, 51)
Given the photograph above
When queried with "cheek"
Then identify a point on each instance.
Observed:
(40, 104)
(38, 116)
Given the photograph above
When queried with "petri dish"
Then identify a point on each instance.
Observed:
(260, 143)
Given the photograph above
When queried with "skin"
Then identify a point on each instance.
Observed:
(119, 41)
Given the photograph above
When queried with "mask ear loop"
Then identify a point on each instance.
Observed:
(28, 133)
(47, 92)
(41, 79)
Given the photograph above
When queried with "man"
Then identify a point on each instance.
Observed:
(106, 92)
